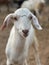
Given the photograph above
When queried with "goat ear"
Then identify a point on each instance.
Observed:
(36, 23)
(6, 21)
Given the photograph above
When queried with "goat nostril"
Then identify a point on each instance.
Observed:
(25, 31)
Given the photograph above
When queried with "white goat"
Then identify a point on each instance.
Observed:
(21, 36)
(35, 6)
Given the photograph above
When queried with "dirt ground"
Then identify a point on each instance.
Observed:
(42, 36)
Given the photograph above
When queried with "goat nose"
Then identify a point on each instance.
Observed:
(25, 31)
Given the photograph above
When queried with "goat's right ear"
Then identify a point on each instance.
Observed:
(6, 21)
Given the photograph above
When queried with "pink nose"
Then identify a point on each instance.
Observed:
(25, 31)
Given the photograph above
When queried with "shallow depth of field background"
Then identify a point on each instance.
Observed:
(42, 36)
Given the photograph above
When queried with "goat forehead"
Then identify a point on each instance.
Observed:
(22, 11)
(25, 22)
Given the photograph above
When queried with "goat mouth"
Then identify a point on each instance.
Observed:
(25, 35)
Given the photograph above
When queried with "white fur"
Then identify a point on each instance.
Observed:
(32, 5)
(17, 46)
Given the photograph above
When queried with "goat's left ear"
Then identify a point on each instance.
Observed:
(35, 22)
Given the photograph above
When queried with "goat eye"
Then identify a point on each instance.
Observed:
(15, 18)
(30, 17)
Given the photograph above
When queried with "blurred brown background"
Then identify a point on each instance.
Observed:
(7, 6)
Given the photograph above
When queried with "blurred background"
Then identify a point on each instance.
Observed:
(9, 6)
